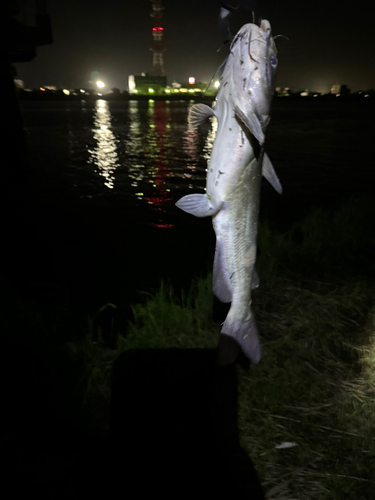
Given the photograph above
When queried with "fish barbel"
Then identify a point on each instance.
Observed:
(234, 174)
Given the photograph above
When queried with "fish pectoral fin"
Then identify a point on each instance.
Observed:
(269, 173)
(221, 285)
(198, 114)
(246, 114)
(196, 204)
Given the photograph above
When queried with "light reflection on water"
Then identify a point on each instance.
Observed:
(210, 139)
(150, 140)
(158, 139)
(148, 156)
(148, 161)
(190, 147)
(104, 155)
(137, 158)
(133, 147)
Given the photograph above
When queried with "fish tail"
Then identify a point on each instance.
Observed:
(245, 333)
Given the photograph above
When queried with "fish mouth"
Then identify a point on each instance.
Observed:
(252, 32)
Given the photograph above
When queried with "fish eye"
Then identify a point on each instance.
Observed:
(273, 60)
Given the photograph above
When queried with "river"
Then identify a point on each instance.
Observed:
(107, 174)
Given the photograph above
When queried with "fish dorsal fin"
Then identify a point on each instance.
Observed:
(269, 173)
(198, 114)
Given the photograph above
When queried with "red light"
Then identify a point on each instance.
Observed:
(160, 29)
(154, 29)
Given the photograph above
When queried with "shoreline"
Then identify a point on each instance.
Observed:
(60, 96)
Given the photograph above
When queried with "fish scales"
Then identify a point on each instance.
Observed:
(236, 226)
(234, 175)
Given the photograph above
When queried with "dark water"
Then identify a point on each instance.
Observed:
(136, 154)
(140, 154)
(106, 176)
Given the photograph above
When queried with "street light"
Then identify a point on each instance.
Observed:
(100, 84)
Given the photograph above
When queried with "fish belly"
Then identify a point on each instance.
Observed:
(236, 227)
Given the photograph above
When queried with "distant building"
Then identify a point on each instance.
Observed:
(283, 91)
(147, 84)
(155, 83)
(157, 37)
(340, 90)
(131, 84)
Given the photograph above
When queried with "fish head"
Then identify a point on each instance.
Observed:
(254, 66)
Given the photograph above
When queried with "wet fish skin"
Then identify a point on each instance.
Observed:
(249, 65)
(236, 226)
(234, 175)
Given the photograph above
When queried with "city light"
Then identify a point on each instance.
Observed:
(100, 84)
(151, 91)
(131, 84)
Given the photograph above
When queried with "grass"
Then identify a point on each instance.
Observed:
(315, 384)
(166, 321)
(312, 389)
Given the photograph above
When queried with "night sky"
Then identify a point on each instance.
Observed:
(328, 43)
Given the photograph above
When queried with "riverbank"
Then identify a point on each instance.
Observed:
(306, 411)
(77, 95)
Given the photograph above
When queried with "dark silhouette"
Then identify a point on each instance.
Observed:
(243, 11)
(17, 44)
(110, 321)
(174, 426)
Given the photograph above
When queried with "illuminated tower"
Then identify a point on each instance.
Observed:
(157, 35)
